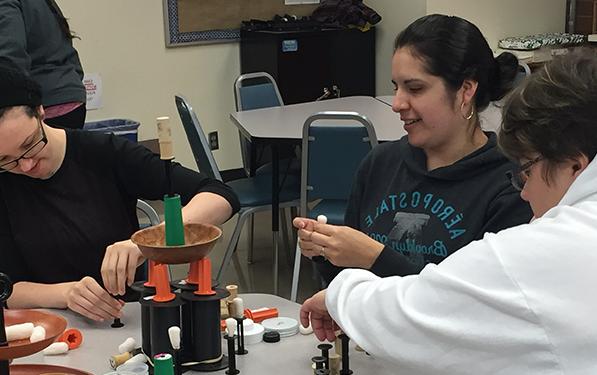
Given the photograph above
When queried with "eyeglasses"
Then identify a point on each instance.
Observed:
(519, 177)
(31, 152)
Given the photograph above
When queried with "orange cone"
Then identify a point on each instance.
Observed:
(150, 283)
(162, 284)
(204, 288)
(193, 277)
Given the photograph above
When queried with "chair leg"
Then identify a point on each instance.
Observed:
(250, 239)
(242, 216)
(295, 274)
(293, 214)
(285, 234)
(242, 280)
(275, 260)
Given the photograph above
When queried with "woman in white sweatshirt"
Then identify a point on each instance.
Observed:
(522, 301)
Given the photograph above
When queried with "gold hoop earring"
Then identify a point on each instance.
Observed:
(470, 115)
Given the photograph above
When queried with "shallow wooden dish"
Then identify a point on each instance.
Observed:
(199, 240)
(53, 324)
(45, 370)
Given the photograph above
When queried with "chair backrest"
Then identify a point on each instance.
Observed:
(149, 212)
(256, 90)
(331, 154)
(523, 72)
(197, 139)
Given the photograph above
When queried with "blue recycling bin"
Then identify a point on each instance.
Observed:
(122, 127)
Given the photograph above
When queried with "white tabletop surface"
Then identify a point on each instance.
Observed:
(386, 99)
(292, 355)
(286, 122)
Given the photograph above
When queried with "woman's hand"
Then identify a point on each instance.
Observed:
(342, 246)
(314, 310)
(89, 299)
(119, 266)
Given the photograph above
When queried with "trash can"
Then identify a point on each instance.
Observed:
(122, 127)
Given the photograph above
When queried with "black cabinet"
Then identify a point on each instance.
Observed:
(304, 62)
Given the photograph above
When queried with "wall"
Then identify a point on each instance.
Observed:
(124, 42)
(499, 19)
(396, 15)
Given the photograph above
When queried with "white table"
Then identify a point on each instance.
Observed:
(286, 122)
(386, 99)
(292, 355)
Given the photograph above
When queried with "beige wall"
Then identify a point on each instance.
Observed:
(124, 42)
(498, 19)
(396, 15)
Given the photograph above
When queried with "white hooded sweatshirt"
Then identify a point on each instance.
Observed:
(522, 301)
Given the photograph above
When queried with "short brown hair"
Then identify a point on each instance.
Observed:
(554, 112)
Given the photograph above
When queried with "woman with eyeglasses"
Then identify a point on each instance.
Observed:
(521, 301)
(417, 200)
(68, 205)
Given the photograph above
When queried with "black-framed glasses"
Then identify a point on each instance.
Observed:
(519, 177)
(31, 152)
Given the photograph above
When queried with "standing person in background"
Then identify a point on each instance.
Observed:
(417, 200)
(35, 36)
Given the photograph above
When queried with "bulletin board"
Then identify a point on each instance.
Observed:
(218, 21)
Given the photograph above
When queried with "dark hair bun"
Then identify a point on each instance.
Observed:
(506, 68)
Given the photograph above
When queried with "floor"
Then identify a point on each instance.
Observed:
(257, 277)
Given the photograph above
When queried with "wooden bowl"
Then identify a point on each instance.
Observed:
(199, 240)
(53, 324)
(44, 370)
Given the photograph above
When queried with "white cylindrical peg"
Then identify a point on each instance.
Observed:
(139, 358)
(38, 334)
(165, 138)
(19, 331)
(174, 334)
(231, 327)
(128, 345)
(56, 348)
(239, 307)
(322, 219)
(305, 330)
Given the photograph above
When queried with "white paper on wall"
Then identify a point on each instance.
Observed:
(93, 86)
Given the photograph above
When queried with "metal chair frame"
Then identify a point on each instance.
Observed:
(211, 169)
(371, 138)
(246, 151)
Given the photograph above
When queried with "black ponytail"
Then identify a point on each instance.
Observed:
(506, 68)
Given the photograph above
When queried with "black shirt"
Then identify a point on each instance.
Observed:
(57, 230)
(423, 216)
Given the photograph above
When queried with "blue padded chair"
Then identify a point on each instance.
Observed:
(332, 153)
(254, 193)
(255, 91)
(523, 72)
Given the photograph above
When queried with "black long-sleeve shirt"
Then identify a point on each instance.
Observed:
(57, 230)
(423, 216)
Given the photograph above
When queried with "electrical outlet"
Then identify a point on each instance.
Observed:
(213, 141)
